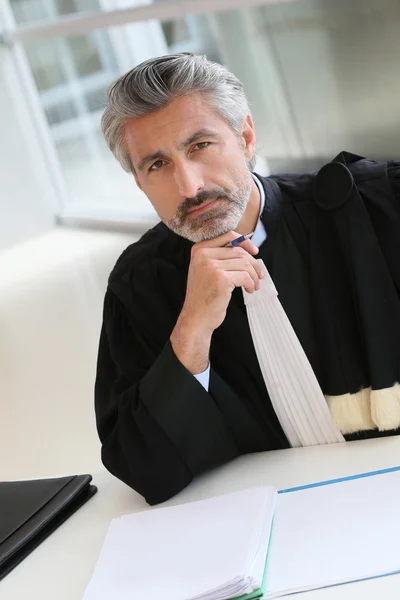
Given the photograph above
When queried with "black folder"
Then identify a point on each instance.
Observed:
(31, 510)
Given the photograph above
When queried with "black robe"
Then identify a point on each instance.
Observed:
(329, 243)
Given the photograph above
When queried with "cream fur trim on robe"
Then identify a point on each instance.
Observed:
(366, 410)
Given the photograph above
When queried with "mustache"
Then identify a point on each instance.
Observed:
(198, 200)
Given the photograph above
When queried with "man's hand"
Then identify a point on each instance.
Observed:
(214, 272)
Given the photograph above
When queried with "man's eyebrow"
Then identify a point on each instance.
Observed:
(160, 154)
(202, 133)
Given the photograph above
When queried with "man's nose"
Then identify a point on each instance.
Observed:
(188, 179)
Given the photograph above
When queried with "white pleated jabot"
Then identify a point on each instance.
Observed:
(293, 388)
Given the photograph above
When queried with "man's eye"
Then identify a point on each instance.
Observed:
(201, 145)
(157, 165)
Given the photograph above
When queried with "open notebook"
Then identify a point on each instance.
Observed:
(256, 543)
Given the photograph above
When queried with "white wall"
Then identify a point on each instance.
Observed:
(27, 202)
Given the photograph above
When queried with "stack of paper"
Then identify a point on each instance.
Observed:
(209, 550)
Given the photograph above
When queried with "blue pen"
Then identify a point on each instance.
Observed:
(239, 240)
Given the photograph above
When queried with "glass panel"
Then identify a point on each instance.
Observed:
(321, 77)
(96, 99)
(58, 113)
(85, 55)
(47, 65)
(30, 11)
(175, 32)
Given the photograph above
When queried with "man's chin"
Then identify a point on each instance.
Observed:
(210, 230)
(207, 226)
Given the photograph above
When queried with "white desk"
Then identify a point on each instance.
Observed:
(62, 566)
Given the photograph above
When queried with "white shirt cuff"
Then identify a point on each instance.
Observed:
(204, 378)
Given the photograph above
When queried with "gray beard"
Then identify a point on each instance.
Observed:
(216, 221)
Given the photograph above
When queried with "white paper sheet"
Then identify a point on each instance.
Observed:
(335, 533)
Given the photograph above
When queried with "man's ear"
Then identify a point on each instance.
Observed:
(248, 137)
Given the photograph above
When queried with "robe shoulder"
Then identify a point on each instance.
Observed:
(301, 186)
(157, 243)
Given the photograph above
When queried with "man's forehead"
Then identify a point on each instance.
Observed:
(186, 108)
(176, 123)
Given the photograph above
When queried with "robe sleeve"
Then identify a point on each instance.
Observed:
(158, 426)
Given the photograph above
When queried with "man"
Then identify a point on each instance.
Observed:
(179, 388)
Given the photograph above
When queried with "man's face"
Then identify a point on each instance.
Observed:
(192, 167)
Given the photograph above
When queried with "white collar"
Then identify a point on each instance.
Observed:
(260, 235)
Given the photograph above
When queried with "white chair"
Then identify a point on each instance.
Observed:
(51, 297)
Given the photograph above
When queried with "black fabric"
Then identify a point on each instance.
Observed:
(31, 510)
(336, 265)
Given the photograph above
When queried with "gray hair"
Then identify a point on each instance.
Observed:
(153, 84)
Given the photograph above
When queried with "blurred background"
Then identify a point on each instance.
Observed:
(321, 77)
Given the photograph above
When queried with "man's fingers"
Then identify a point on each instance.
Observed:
(249, 247)
(229, 256)
(242, 265)
(243, 279)
(223, 240)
